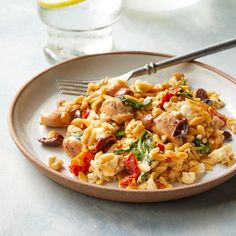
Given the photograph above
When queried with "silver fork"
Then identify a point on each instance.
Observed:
(79, 87)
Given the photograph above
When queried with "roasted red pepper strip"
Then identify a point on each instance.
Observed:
(85, 113)
(167, 97)
(160, 184)
(131, 168)
(75, 168)
(83, 127)
(131, 165)
(161, 147)
(87, 158)
(128, 180)
(168, 159)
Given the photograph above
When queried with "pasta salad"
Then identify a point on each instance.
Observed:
(142, 136)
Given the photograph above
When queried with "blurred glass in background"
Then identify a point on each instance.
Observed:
(75, 29)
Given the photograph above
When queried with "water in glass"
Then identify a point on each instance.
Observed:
(83, 28)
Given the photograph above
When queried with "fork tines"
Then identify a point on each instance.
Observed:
(74, 87)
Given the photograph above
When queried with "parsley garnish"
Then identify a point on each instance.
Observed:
(136, 105)
(144, 177)
(201, 147)
(141, 147)
(120, 134)
(184, 93)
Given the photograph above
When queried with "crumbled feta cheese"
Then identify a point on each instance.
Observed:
(151, 185)
(101, 133)
(186, 111)
(199, 136)
(201, 168)
(54, 162)
(144, 166)
(188, 177)
(72, 129)
(169, 106)
(222, 154)
(93, 115)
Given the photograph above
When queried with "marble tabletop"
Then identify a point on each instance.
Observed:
(32, 204)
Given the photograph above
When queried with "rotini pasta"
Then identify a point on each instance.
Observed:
(144, 136)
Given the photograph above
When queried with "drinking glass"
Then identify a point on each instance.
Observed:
(82, 28)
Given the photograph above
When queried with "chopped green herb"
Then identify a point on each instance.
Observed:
(184, 82)
(140, 148)
(120, 134)
(144, 177)
(136, 105)
(201, 147)
(185, 94)
(129, 149)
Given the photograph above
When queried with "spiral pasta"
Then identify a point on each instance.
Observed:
(144, 136)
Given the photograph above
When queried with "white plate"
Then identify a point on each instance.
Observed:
(40, 94)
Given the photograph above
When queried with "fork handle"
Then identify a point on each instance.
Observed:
(154, 67)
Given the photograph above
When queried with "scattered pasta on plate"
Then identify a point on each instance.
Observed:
(142, 136)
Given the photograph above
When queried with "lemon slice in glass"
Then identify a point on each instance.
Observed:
(54, 4)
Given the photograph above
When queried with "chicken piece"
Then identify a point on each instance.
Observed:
(55, 118)
(61, 117)
(217, 122)
(72, 146)
(124, 91)
(165, 124)
(116, 110)
(115, 86)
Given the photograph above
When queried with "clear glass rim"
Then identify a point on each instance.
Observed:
(80, 30)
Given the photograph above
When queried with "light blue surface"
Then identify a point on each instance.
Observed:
(31, 204)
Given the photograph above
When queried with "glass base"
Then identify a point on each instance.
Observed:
(63, 45)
